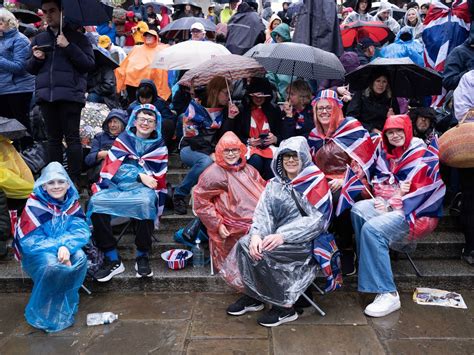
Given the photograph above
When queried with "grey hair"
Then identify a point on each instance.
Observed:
(8, 18)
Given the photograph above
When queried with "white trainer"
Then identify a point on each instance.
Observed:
(384, 304)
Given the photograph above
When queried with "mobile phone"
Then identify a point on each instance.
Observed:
(45, 48)
(263, 136)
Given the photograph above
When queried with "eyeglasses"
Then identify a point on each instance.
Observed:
(287, 157)
(325, 108)
(231, 151)
(149, 121)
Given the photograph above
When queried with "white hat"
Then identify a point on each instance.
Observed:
(198, 26)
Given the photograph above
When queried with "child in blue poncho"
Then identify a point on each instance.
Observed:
(49, 237)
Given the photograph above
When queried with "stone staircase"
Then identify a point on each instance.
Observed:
(437, 257)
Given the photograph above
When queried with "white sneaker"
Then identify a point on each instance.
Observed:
(384, 304)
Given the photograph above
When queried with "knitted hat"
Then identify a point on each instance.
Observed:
(327, 95)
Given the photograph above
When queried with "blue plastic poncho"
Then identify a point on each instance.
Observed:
(45, 225)
(412, 48)
(119, 193)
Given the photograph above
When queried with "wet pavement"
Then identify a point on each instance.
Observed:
(196, 323)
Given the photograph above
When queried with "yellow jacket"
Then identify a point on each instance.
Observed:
(141, 28)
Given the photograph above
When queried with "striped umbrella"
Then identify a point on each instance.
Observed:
(231, 67)
(297, 59)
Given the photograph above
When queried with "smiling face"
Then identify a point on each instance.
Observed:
(291, 164)
(396, 136)
(231, 155)
(145, 124)
(412, 17)
(115, 126)
(56, 188)
(275, 23)
(380, 85)
(322, 112)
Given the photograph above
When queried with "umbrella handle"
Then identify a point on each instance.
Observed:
(228, 91)
(61, 22)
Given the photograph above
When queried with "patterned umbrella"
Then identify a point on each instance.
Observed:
(231, 67)
(297, 59)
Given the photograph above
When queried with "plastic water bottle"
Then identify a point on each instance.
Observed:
(101, 318)
(198, 254)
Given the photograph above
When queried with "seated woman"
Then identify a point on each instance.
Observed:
(258, 125)
(273, 262)
(202, 129)
(405, 184)
(373, 105)
(337, 142)
(112, 126)
(132, 184)
(297, 111)
(226, 195)
(50, 234)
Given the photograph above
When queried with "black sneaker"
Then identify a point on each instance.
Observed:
(179, 205)
(277, 315)
(468, 257)
(243, 305)
(348, 262)
(142, 267)
(109, 269)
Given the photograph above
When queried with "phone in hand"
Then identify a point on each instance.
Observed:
(45, 48)
(262, 138)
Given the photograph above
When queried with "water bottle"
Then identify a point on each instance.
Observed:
(198, 254)
(101, 318)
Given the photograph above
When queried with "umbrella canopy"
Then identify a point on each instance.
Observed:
(297, 59)
(82, 12)
(353, 32)
(11, 128)
(180, 28)
(187, 55)
(185, 2)
(157, 6)
(102, 57)
(26, 16)
(406, 78)
(231, 67)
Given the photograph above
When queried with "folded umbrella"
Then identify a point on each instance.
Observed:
(187, 55)
(26, 16)
(353, 32)
(297, 59)
(11, 128)
(180, 28)
(406, 78)
(231, 67)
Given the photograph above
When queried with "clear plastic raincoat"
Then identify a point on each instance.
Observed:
(45, 225)
(285, 272)
(227, 194)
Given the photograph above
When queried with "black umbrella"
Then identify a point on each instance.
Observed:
(297, 59)
(103, 58)
(406, 78)
(157, 6)
(186, 2)
(180, 28)
(26, 16)
(11, 128)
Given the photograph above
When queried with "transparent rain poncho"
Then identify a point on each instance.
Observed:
(285, 272)
(45, 225)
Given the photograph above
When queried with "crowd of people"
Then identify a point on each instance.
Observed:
(274, 162)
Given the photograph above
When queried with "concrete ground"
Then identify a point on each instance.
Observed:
(196, 323)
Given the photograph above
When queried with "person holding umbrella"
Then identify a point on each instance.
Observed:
(198, 33)
(61, 60)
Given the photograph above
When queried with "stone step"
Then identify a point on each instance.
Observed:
(176, 176)
(443, 274)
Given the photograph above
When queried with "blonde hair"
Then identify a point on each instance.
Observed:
(302, 88)
(215, 86)
(8, 18)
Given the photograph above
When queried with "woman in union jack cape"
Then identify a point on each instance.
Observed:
(49, 237)
(408, 202)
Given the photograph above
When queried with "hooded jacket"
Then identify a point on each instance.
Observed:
(390, 22)
(268, 31)
(267, 11)
(283, 30)
(227, 195)
(418, 28)
(70, 66)
(463, 96)
(140, 9)
(14, 53)
(105, 139)
(357, 16)
(411, 48)
(459, 62)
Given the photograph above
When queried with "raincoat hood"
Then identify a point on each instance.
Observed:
(384, 6)
(273, 18)
(283, 30)
(405, 18)
(53, 171)
(401, 122)
(230, 141)
(151, 85)
(115, 113)
(131, 127)
(295, 144)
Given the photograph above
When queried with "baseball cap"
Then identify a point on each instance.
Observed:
(198, 26)
(103, 41)
(366, 42)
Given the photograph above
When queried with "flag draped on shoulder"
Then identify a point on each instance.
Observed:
(351, 188)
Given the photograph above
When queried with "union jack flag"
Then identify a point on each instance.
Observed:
(431, 158)
(327, 255)
(197, 117)
(352, 138)
(312, 183)
(351, 188)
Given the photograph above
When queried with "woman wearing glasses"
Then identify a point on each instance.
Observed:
(226, 195)
(337, 142)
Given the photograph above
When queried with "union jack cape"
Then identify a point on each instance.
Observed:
(197, 117)
(351, 188)
(352, 138)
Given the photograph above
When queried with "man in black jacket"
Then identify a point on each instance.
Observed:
(61, 61)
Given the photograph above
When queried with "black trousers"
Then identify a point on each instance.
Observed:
(104, 237)
(466, 177)
(62, 119)
(341, 226)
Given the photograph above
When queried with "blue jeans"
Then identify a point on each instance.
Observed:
(374, 232)
(198, 162)
(93, 97)
(262, 165)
